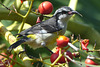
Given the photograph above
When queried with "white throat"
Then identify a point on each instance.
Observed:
(62, 22)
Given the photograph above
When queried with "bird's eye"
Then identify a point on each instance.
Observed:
(64, 12)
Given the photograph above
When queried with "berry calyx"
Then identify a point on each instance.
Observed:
(38, 20)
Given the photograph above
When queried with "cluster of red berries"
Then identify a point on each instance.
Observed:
(4, 62)
(62, 41)
(54, 56)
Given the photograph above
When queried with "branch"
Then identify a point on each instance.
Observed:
(4, 15)
(8, 36)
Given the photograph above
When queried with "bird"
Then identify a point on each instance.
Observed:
(46, 32)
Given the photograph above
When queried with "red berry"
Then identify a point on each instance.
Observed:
(62, 59)
(45, 7)
(22, 1)
(70, 55)
(89, 61)
(54, 57)
(62, 41)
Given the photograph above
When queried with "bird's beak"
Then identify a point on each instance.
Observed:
(75, 12)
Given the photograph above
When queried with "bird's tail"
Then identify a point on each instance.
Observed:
(16, 44)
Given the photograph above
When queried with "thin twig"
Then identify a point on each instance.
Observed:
(11, 10)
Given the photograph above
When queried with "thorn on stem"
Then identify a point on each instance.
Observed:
(94, 45)
(79, 37)
(9, 9)
(72, 37)
(15, 9)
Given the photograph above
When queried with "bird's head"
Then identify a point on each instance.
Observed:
(65, 13)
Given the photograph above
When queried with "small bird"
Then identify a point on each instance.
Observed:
(46, 32)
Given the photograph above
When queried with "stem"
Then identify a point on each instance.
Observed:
(75, 41)
(39, 59)
(25, 17)
(56, 59)
(22, 25)
(14, 17)
(11, 10)
(94, 50)
(26, 60)
(73, 47)
(60, 55)
(71, 60)
(45, 63)
(29, 9)
(72, 43)
(8, 36)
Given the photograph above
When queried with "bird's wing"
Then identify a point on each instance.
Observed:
(48, 26)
